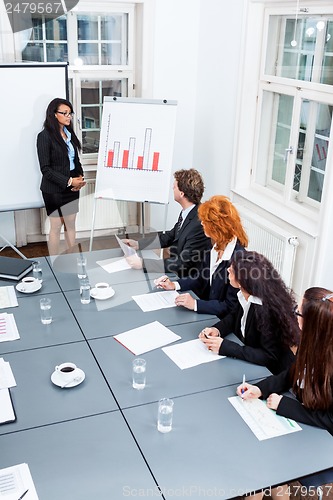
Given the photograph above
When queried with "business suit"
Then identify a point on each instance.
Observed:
(187, 246)
(259, 348)
(217, 297)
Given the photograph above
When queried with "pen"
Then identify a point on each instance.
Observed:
(243, 390)
(23, 495)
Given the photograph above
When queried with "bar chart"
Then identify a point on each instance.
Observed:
(136, 149)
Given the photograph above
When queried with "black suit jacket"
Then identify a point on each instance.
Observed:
(259, 348)
(54, 164)
(292, 408)
(187, 246)
(217, 298)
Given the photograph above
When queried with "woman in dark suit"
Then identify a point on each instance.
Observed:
(263, 318)
(62, 174)
(221, 222)
(310, 377)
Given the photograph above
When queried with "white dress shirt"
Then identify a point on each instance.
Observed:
(246, 306)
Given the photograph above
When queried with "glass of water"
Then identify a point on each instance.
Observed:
(81, 267)
(138, 373)
(45, 311)
(165, 414)
(85, 291)
(37, 270)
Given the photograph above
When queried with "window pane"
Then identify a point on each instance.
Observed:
(87, 27)
(111, 53)
(274, 140)
(111, 28)
(33, 52)
(297, 49)
(56, 29)
(56, 52)
(88, 52)
(312, 149)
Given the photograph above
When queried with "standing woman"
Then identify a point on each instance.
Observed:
(222, 224)
(311, 376)
(62, 174)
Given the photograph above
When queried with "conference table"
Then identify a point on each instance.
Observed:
(99, 439)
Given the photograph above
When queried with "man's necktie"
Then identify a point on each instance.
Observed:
(179, 222)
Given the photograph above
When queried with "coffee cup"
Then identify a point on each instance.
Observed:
(67, 371)
(102, 290)
(30, 283)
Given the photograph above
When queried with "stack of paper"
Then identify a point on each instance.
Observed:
(263, 422)
(146, 338)
(15, 481)
(8, 328)
(7, 297)
(191, 353)
(154, 301)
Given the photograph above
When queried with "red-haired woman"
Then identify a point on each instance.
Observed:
(263, 318)
(221, 222)
(310, 377)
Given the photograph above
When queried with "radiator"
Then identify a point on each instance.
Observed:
(276, 244)
(109, 214)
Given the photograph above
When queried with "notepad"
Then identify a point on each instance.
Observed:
(191, 353)
(7, 297)
(146, 338)
(7, 413)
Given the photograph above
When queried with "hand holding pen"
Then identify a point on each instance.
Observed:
(165, 283)
(248, 391)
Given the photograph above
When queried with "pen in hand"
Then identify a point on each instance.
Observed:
(23, 495)
(243, 384)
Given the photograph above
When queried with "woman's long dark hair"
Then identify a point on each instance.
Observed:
(313, 373)
(257, 276)
(51, 123)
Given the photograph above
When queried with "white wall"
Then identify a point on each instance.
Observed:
(196, 61)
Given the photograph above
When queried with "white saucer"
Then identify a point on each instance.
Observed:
(94, 294)
(20, 288)
(58, 380)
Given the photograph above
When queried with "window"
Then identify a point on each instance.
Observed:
(293, 113)
(99, 48)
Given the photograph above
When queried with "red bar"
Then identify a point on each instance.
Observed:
(125, 158)
(110, 159)
(140, 162)
(156, 157)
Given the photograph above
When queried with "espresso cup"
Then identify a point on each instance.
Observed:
(66, 371)
(30, 283)
(102, 289)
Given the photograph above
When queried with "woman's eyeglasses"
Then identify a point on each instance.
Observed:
(297, 313)
(70, 115)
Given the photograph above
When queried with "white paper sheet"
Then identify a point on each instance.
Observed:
(263, 422)
(154, 301)
(127, 251)
(8, 328)
(191, 353)
(7, 297)
(6, 408)
(114, 266)
(6, 375)
(146, 338)
(14, 481)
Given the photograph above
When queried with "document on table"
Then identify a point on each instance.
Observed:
(8, 328)
(154, 301)
(114, 266)
(7, 297)
(127, 250)
(263, 421)
(14, 481)
(7, 413)
(6, 375)
(191, 353)
(146, 338)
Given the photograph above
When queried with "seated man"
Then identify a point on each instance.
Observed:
(186, 240)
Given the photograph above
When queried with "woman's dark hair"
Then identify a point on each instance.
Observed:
(313, 373)
(257, 276)
(51, 123)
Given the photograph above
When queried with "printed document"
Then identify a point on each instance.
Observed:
(114, 265)
(7, 297)
(146, 338)
(263, 421)
(154, 301)
(191, 353)
(16, 480)
(6, 407)
(6, 375)
(8, 328)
